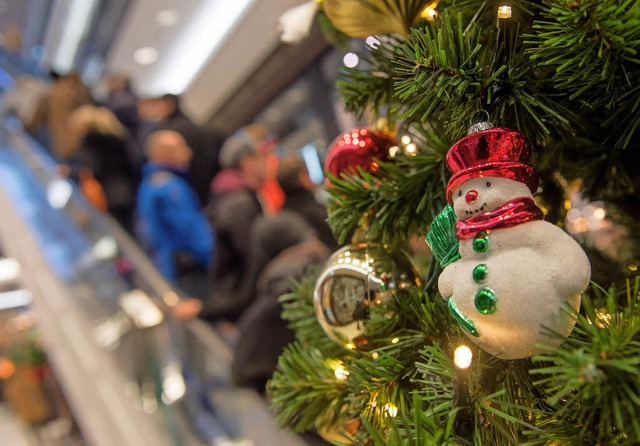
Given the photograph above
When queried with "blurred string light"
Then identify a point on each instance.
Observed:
(406, 146)
(350, 60)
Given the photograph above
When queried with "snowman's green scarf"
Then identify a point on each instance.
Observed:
(512, 213)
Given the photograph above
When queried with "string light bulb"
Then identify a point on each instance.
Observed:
(462, 357)
(341, 373)
(391, 409)
(504, 12)
(429, 12)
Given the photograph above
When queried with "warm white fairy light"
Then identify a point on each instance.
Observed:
(504, 12)
(411, 149)
(391, 409)
(599, 213)
(395, 340)
(341, 373)
(351, 346)
(462, 357)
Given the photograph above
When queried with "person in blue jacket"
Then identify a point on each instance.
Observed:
(171, 221)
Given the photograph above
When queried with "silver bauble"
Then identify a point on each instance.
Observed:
(354, 280)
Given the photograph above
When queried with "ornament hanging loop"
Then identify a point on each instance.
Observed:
(479, 126)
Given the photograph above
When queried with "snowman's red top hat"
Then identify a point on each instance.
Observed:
(495, 152)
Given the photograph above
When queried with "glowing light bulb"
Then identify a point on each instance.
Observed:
(391, 409)
(395, 340)
(411, 149)
(504, 12)
(351, 346)
(462, 357)
(406, 139)
(599, 213)
(341, 373)
(351, 60)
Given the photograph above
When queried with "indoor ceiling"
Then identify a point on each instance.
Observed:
(202, 49)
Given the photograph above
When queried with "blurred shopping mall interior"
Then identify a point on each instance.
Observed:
(91, 349)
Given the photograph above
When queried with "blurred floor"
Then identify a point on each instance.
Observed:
(13, 432)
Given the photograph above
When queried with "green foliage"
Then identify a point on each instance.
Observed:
(594, 383)
(566, 74)
(383, 195)
(593, 47)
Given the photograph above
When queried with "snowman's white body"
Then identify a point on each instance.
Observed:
(533, 268)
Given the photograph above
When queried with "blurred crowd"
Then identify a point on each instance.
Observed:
(225, 220)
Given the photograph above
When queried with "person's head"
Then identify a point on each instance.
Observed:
(168, 148)
(118, 83)
(293, 175)
(246, 151)
(169, 105)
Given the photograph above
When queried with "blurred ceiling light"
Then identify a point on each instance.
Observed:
(350, 60)
(105, 248)
(59, 192)
(15, 299)
(9, 270)
(173, 384)
(76, 24)
(145, 55)
(140, 308)
(202, 34)
(168, 17)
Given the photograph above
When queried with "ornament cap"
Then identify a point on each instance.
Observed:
(495, 152)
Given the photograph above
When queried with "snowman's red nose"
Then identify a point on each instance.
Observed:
(471, 196)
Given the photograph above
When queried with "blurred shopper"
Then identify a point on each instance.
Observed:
(288, 249)
(123, 102)
(102, 150)
(171, 219)
(205, 144)
(298, 188)
(67, 94)
(232, 209)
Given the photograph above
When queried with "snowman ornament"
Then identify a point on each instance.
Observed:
(516, 273)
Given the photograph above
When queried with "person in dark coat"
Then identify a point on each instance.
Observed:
(204, 142)
(288, 250)
(102, 149)
(294, 180)
(123, 102)
(232, 209)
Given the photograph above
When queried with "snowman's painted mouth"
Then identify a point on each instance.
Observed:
(477, 210)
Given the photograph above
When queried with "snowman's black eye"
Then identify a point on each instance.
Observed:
(488, 183)
(459, 193)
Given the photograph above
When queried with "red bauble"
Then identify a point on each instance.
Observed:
(358, 147)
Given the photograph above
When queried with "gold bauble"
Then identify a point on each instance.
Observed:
(363, 18)
(355, 281)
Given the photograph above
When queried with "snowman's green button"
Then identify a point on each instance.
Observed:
(486, 301)
(481, 242)
(480, 273)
